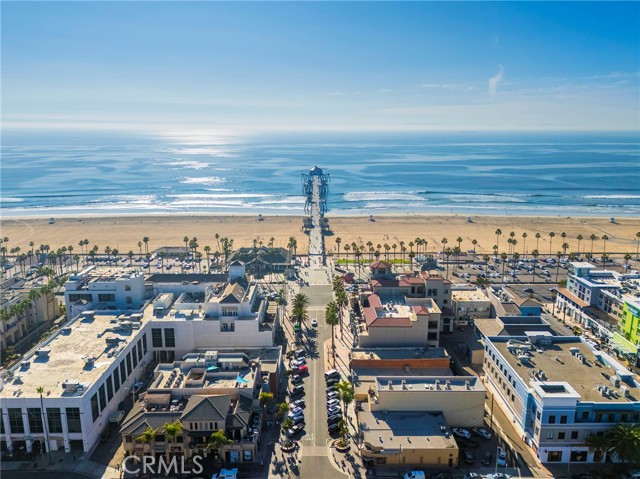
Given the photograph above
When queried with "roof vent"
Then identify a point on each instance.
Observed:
(404, 384)
(43, 352)
(390, 384)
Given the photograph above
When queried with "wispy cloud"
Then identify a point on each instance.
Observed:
(494, 81)
(448, 86)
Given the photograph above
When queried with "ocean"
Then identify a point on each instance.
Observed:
(69, 173)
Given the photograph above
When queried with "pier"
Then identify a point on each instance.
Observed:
(315, 186)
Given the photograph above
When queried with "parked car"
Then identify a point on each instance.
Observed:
(331, 374)
(498, 475)
(461, 432)
(295, 429)
(296, 390)
(442, 475)
(314, 323)
(482, 432)
(298, 403)
(334, 428)
(502, 457)
(415, 475)
(298, 420)
(332, 389)
(334, 418)
(300, 353)
(298, 362)
(332, 402)
(332, 381)
(468, 457)
(296, 413)
(334, 410)
(472, 475)
(304, 369)
(486, 459)
(295, 410)
(332, 395)
(445, 430)
(296, 379)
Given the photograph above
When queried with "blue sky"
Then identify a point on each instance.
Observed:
(315, 66)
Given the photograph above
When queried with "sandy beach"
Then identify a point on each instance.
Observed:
(125, 232)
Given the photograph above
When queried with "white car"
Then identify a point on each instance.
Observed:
(461, 432)
(314, 323)
(332, 402)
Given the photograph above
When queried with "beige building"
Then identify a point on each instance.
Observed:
(469, 303)
(399, 321)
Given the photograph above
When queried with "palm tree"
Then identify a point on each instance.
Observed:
(624, 443)
(331, 318)
(140, 247)
(604, 244)
(535, 254)
(299, 310)
(443, 242)
(40, 391)
(148, 436)
(217, 440)
(346, 394)
(593, 238)
(145, 240)
(281, 410)
(579, 238)
(342, 300)
(558, 256)
(565, 247)
(524, 243)
(551, 235)
(504, 257)
(447, 253)
(638, 245)
(171, 431)
(186, 245)
(485, 258)
(598, 444)
(474, 242)
(498, 234)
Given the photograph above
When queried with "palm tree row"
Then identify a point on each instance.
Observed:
(299, 312)
(332, 319)
(21, 307)
(341, 300)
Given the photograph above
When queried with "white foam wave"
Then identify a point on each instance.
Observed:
(11, 200)
(211, 196)
(211, 151)
(207, 180)
(381, 196)
(612, 197)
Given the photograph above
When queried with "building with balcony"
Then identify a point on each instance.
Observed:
(469, 303)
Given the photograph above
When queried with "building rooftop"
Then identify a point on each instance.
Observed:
(77, 355)
(399, 353)
(391, 431)
(568, 359)
(396, 311)
(468, 295)
(421, 383)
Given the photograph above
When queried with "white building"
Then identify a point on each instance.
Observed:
(104, 288)
(469, 302)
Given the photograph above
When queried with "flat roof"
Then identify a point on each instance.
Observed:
(398, 353)
(434, 383)
(560, 365)
(101, 336)
(468, 295)
(406, 430)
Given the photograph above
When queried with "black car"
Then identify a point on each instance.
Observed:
(334, 428)
(296, 390)
(334, 418)
(442, 475)
(332, 381)
(486, 459)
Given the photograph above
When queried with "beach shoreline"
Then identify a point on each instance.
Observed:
(125, 231)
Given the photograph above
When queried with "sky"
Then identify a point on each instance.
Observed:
(321, 66)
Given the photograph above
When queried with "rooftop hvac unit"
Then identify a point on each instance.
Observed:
(25, 365)
(574, 351)
(89, 361)
(614, 380)
(70, 385)
(404, 384)
(390, 384)
(112, 341)
(447, 385)
(624, 390)
(66, 330)
(43, 352)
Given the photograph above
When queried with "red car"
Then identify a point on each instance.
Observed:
(304, 369)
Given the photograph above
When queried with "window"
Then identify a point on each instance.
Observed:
(144, 343)
(128, 358)
(169, 338)
(554, 456)
(1, 422)
(123, 372)
(54, 420)
(116, 380)
(15, 420)
(549, 434)
(103, 397)
(35, 419)
(73, 298)
(585, 414)
(134, 355)
(128, 300)
(563, 419)
(127, 287)
(109, 389)
(95, 411)
(552, 419)
(574, 434)
(561, 435)
(73, 419)
(156, 337)
(140, 350)
(106, 298)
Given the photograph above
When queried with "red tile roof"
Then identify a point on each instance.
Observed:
(380, 265)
